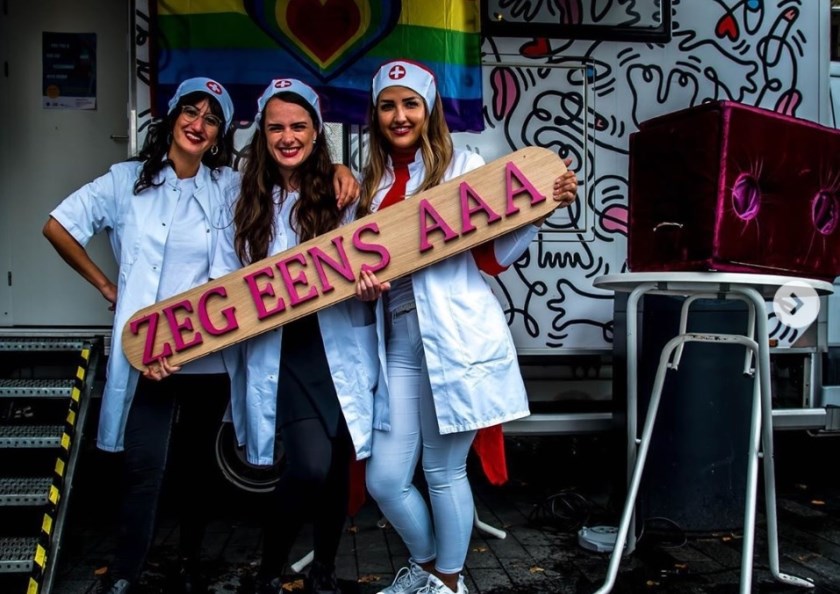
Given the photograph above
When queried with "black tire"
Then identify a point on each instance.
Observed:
(236, 468)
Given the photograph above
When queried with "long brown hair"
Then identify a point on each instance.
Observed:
(435, 147)
(315, 211)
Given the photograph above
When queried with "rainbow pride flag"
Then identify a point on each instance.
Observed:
(333, 45)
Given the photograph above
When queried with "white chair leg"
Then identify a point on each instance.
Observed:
(487, 528)
(626, 522)
(762, 358)
(301, 563)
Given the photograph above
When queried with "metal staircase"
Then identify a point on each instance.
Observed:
(45, 388)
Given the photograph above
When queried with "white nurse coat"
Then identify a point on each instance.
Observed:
(355, 358)
(137, 227)
(470, 354)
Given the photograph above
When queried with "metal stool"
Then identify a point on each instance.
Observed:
(696, 286)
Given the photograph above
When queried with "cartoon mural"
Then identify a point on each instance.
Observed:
(584, 98)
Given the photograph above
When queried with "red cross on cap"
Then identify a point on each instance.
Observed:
(282, 83)
(215, 87)
(396, 72)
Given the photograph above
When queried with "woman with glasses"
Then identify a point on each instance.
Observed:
(161, 212)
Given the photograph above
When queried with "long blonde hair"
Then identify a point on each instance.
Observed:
(435, 145)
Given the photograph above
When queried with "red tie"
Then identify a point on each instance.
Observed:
(397, 191)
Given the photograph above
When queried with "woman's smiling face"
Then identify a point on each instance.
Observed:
(290, 135)
(194, 136)
(401, 114)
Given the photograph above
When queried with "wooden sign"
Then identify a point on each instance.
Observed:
(450, 218)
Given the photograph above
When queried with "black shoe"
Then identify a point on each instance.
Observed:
(321, 580)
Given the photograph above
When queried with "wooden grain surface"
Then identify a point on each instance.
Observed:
(397, 230)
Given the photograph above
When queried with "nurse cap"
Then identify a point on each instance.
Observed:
(289, 85)
(404, 73)
(204, 85)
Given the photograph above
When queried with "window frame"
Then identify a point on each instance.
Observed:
(661, 34)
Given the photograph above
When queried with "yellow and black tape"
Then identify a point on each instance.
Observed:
(75, 400)
(39, 565)
(41, 553)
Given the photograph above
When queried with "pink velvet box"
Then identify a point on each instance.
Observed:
(729, 187)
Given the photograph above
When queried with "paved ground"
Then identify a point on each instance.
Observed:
(557, 485)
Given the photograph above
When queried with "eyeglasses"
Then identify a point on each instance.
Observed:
(191, 114)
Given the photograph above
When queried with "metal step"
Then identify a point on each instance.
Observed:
(31, 436)
(52, 385)
(45, 388)
(45, 343)
(560, 424)
(17, 553)
(20, 491)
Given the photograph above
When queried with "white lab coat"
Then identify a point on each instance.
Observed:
(470, 354)
(356, 360)
(137, 227)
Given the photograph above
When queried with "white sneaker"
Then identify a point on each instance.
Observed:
(408, 581)
(435, 586)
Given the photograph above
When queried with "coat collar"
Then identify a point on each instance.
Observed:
(203, 180)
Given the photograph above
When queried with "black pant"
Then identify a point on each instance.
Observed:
(181, 413)
(314, 485)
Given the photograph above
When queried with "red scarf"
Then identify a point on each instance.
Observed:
(397, 192)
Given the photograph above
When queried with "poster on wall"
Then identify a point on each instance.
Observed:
(69, 71)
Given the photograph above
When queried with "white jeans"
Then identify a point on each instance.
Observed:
(394, 456)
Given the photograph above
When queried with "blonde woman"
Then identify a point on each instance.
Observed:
(451, 363)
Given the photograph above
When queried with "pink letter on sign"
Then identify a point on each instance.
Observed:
(467, 194)
(258, 292)
(177, 328)
(228, 313)
(427, 211)
(299, 279)
(149, 355)
(319, 258)
(374, 248)
(512, 171)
